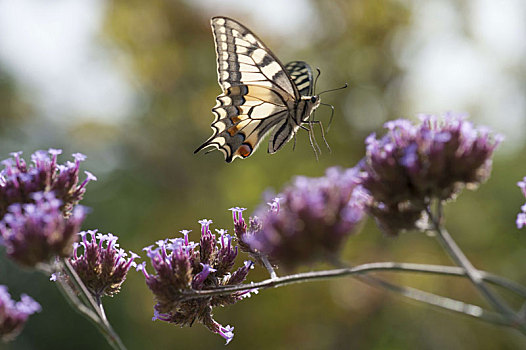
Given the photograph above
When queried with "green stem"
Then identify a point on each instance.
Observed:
(438, 301)
(360, 272)
(101, 308)
(97, 316)
(359, 269)
(80, 287)
(428, 298)
(75, 302)
(268, 266)
(472, 273)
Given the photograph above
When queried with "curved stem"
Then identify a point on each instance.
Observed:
(77, 305)
(359, 269)
(80, 287)
(360, 272)
(472, 273)
(437, 301)
(101, 308)
(504, 283)
(67, 291)
(97, 316)
(429, 298)
(75, 302)
(268, 266)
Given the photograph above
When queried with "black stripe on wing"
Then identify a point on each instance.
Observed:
(243, 116)
(301, 74)
(242, 58)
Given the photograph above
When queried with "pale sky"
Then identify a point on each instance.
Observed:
(53, 50)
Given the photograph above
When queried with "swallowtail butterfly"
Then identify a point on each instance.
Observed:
(260, 94)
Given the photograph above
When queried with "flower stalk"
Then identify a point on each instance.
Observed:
(472, 273)
(388, 266)
(85, 304)
(362, 273)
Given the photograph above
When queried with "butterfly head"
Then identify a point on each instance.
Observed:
(315, 100)
(312, 101)
(307, 105)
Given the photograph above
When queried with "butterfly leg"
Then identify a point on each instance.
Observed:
(304, 128)
(311, 132)
(318, 122)
(313, 142)
(312, 139)
(332, 115)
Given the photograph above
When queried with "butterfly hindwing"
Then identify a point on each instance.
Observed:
(259, 93)
(243, 115)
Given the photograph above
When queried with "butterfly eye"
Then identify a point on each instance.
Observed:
(313, 99)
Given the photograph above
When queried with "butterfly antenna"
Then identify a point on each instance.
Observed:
(340, 88)
(332, 115)
(316, 80)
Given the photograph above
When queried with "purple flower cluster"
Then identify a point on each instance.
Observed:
(521, 217)
(36, 232)
(18, 180)
(309, 220)
(181, 265)
(13, 315)
(413, 164)
(102, 266)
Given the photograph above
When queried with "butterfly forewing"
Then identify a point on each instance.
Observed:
(301, 74)
(242, 58)
(259, 94)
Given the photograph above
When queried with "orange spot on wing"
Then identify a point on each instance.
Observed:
(233, 130)
(244, 150)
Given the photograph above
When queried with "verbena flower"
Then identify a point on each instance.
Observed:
(181, 265)
(413, 164)
(18, 180)
(521, 217)
(36, 232)
(245, 232)
(309, 220)
(13, 315)
(102, 265)
(241, 228)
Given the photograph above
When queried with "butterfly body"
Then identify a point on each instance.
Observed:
(260, 94)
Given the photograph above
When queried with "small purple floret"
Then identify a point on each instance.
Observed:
(227, 333)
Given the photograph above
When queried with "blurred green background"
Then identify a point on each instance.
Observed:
(131, 84)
